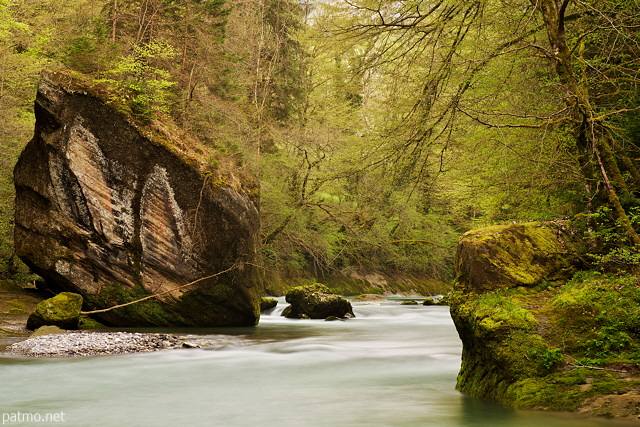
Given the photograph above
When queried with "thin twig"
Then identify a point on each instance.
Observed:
(161, 293)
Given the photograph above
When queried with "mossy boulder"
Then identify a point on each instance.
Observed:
(63, 311)
(508, 256)
(437, 300)
(268, 303)
(500, 344)
(316, 302)
(538, 334)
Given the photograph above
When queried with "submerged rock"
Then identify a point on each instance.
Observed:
(116, 210)
(63, 311)
(316, 302)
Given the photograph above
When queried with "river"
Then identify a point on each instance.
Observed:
(393, 365)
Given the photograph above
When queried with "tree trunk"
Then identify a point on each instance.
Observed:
(596, 140)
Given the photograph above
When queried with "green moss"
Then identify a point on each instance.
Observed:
(148, 312)
(521, 346)
(87, 323)
(62, 310)
(565, 391)
(514, 255)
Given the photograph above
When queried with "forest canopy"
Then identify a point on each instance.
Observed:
(380, 130)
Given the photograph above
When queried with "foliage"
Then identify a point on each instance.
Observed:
(142, 85)
(380, 130)
(603, 310)
(612, 249)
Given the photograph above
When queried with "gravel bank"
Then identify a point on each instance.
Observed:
(92, 344)
(87, 343)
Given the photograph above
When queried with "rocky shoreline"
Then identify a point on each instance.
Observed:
(92, 343)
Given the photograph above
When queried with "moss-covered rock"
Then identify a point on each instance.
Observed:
(316, 302)
(507, 256)
(439, 300)
(63, 311)
(87, 323)
(268, 303)
(570, 347)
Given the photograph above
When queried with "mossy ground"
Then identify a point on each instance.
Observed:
(16, 303)
(555, 347)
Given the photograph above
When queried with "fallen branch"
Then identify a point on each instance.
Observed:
(104, 310)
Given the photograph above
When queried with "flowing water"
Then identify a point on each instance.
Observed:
(393, 365)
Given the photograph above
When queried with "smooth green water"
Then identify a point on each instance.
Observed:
(392, 365)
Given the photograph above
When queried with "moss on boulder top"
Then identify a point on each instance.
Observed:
(63, 311)
(507, 256)
(315, 302)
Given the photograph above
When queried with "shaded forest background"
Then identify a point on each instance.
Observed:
(380, 131)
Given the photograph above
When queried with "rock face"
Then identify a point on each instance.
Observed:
(506, 304)
(62, 311)
(315, 302)
(117, 210)
(508, 256)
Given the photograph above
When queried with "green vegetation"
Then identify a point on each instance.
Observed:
(375, 146)
(151, 311)
(558, 346)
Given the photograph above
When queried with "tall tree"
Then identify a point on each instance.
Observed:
(594, 49)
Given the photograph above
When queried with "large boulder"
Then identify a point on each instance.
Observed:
(62, 310)
(117, 209)
(316, 302)
(508, 256)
